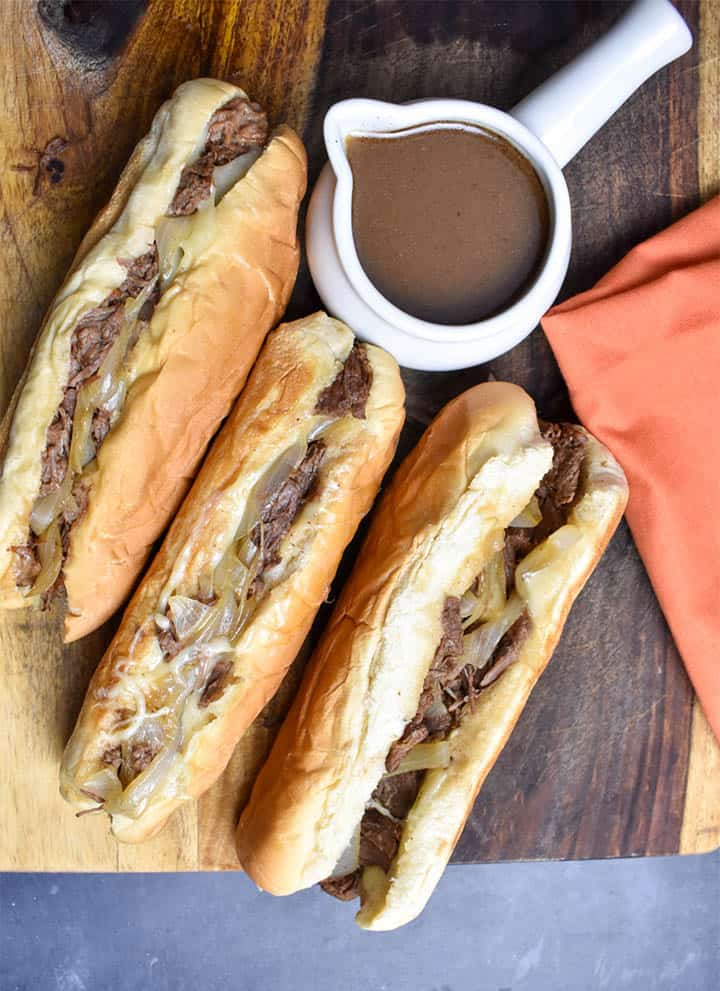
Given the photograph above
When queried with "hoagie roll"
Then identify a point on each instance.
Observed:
(474, 557)
(146, 345)
(231, 595)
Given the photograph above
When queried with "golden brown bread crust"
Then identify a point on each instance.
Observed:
(474, 469)
(292, 831)
(186, 369)
(276, 407)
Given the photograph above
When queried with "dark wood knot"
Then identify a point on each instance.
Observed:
(93, 31)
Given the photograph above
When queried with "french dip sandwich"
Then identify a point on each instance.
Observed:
(146, 345)
(474, 557)
(230, 597)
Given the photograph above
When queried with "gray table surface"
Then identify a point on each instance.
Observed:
(649, 925)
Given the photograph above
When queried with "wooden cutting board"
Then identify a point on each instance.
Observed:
(612, 756)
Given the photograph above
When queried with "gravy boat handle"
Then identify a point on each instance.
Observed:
(572, 105)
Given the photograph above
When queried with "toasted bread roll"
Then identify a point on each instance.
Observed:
(144, 348)
(458, 598)
(230, 597)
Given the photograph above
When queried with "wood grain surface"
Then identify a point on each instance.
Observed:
(612, 757)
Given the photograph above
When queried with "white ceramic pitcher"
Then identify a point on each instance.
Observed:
(549, 127)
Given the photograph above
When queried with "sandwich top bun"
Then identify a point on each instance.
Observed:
(236, 268)
(475, 468)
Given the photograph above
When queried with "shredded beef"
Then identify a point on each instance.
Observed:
(508, 650)
(281, 507)
(27, 565)
(113, 757)
(70, 515)
(234, 129)
(97, 330)
(379, 834)
(397, 792)
(138, 757)
(92, 338)
(100, 426)
(559, 487)
(57, 445)
(450, 647)
(194, 186)
(215, 684)
(379, 839)
(141, 756)
(349, 391)
(519, 541)
(169, 644)
(431, 717)
(344, 888)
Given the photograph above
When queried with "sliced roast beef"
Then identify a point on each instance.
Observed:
(558, 488)
(113, 757)
(100, 427)
(379, 839)
(169, 643)
(194, 186)
(234, 129)
(92, 338)
(519, 541)
(216, 683)
(349, 391)
(379, 833)
(344, 888)
(27, 565)
(432, 717)
(281, 508)
(57, 445)
(508, 650)
(397, 792)
(98, 329)
(141, 756)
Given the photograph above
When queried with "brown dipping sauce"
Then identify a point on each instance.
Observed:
(450, 224)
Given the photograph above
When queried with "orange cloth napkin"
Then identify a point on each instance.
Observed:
(641, 356)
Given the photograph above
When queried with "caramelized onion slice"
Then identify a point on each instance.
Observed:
(480, 644)
(49, 550)
(105, 388)
(425, 757)
(196, 622)
(530, 516)
(544, 565)
(489, 601)
(189, 671)
(180, 240)
(188, 615)
(48, 508)
(225, 176)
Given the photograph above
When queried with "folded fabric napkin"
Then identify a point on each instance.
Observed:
(641, 356)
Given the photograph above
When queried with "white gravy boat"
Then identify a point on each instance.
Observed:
(549, 127)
